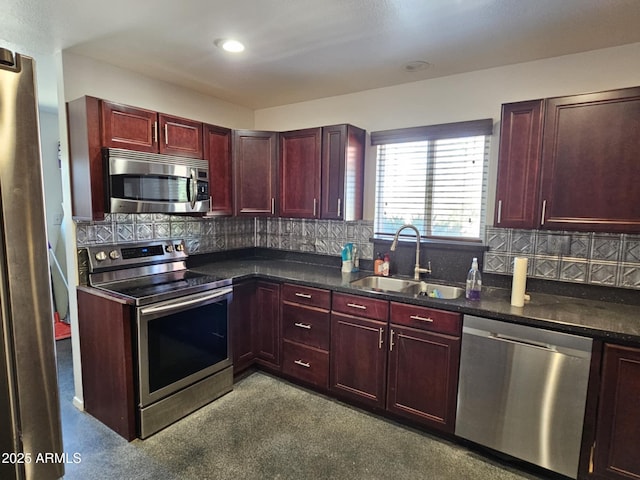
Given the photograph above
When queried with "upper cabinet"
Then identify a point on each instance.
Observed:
(255, 172)
(94, 123)
(322, 173)
(147, 131)
(519, 161)
(300, 173)
(577, 170)
(217, 151)
(342, 172)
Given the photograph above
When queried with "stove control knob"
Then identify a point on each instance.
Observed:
(169, 248)
(101, 256)
(114, 255)
(180, 247)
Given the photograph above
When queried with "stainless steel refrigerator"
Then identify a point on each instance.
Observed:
(30, 431)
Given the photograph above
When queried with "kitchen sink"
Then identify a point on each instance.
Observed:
(405, 286)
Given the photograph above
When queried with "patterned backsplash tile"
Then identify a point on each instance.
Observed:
(208, 235)
(590, 258)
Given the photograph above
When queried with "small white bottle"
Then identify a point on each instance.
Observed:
(474, 282)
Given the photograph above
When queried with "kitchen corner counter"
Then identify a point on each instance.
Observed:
(597, 319)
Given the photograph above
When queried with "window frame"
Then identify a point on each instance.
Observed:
(431, 133)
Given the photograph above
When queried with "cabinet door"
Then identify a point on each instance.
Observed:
(590, 168)
(241, 325)
(180, 136)
(358, 358)
(423, 376)
(300, 173)
(217, 151)
(342, 172)
(618, 425)
(255, 172)
(267, 325)
(128, 127)
(518, 183)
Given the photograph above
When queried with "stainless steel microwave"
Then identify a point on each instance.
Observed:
(139, 182)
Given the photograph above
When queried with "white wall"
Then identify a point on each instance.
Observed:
(85, 76)
(461, 97)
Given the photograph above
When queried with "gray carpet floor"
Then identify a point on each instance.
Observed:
(267, 429)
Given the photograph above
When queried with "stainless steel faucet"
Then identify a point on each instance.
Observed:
(418, 269)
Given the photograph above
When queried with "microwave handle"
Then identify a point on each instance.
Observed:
(193, 190)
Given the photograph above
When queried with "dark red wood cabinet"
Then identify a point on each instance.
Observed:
(305, 334)
(422, 382)
(255, 173)
(241, 325)
(267, 338)
(106, 352)
(615, 450)
(359, 331)
(300, 164)
(94, 123)
(518, 185)
(342, 186)
(570, 163)
(322, 173)
(217, 151)
(590, 167)
(133, 128)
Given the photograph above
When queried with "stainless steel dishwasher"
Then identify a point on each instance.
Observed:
(522, 391)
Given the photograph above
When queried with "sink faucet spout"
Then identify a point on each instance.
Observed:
(417, 269)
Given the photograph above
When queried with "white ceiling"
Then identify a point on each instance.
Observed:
(299, 50)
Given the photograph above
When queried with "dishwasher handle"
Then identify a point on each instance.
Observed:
(521, 341)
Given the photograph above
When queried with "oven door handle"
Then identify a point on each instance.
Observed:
(181, 304)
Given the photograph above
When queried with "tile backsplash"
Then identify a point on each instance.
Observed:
(206, 235)
(590, 258)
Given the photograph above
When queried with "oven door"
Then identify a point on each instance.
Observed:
(155, 185)
(181, 341)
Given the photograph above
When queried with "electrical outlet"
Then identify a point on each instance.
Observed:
(558, 244)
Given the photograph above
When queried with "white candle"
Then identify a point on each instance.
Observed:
(519, 283)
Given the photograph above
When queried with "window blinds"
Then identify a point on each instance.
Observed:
(439, 185)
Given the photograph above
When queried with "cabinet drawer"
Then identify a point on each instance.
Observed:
(360, 306)
(306, 363)
(314, 297)
(307, 325)
(426, 318)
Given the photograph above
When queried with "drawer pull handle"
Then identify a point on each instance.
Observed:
(424, 319)
(302, 364)
(303, 325)
(355, 305)
(303, 295)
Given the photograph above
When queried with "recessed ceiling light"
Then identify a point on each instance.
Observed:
(229, 45)
(416, 66)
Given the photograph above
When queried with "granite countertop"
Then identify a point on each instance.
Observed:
(597, 319)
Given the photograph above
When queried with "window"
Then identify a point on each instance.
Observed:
(433, 177)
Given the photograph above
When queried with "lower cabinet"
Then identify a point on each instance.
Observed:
(615, 453)
(305, 333)
(266, 335)
(254, 319)
(241, 325)
(408, 366)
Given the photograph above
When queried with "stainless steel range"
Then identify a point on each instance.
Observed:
(181, 327)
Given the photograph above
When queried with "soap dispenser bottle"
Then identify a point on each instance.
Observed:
(474, 282)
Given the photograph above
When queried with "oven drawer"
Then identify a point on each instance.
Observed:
(313, 297)
(307, 364)
(306, 325)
